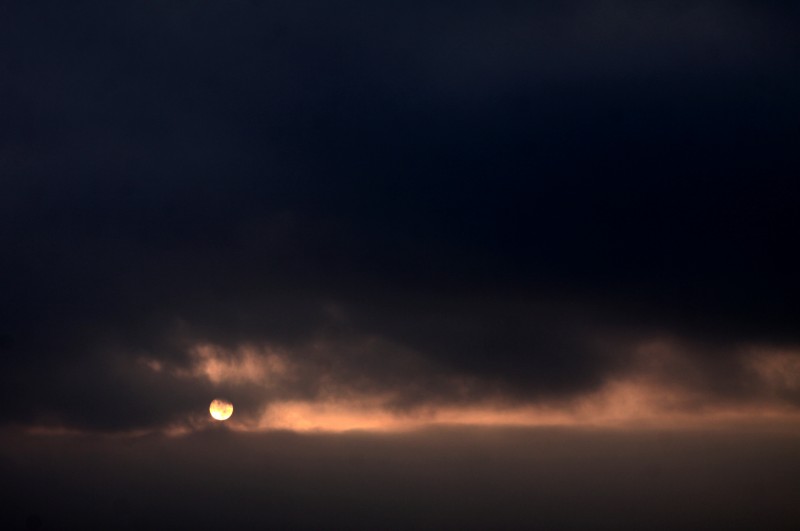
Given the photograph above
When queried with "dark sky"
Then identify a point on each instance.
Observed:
(353, 214)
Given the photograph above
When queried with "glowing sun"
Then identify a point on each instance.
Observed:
(220, 409)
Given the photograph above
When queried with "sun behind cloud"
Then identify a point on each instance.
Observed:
(220, 409)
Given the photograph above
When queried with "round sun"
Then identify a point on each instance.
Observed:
(220, 409)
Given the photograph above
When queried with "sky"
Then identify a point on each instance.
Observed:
(476, 264)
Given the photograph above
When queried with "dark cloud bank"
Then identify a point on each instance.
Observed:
(397, 196)
(443, 479)
(517, 192)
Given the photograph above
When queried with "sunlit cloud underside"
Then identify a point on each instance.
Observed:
(641, 398)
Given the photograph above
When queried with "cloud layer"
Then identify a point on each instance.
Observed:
(465, 478)
(502, 205)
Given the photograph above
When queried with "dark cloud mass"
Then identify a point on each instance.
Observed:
(399, 197)
(444, 479)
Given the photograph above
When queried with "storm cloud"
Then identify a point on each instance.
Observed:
(437, 203)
